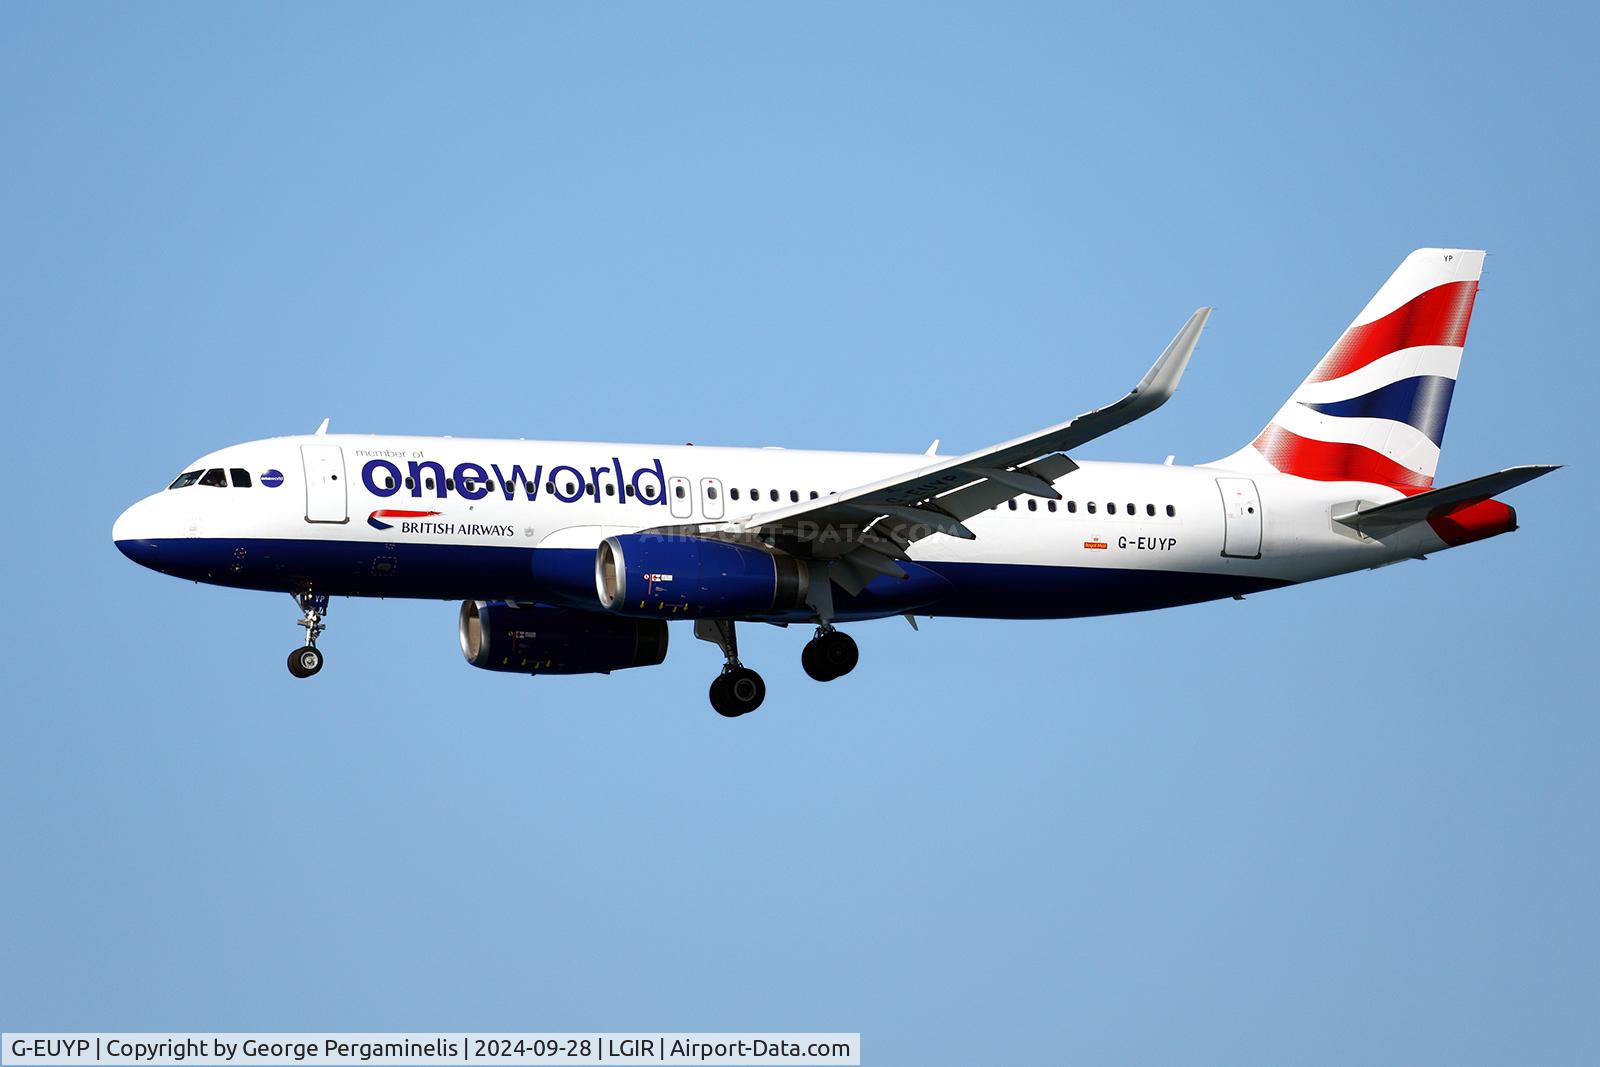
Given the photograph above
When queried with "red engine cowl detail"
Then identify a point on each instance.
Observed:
(1473, 522)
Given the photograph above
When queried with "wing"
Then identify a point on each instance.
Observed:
(865, 530)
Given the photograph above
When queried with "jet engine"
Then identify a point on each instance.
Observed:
(660, 575)
(544, 640)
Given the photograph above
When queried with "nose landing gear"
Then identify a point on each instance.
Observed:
(829, 655)
(738, 690)
(307, 660)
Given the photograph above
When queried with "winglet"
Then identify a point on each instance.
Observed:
(1161, 380)
(323, 429)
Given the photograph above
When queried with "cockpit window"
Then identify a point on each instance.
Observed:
(185, 479)
(241, 477)
(214, 477)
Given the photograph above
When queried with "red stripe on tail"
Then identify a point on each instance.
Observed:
(1335, 461)
(1436, 317)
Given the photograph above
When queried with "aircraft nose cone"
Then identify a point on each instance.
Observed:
(134, 534)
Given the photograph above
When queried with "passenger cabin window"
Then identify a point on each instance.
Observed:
(1072, 506)
(187, 478)
(734, 493)
(629, 490)
(1033, 505)
(214, 477)
(774, 494)
(1012, 504)
(1111, 509)
(241, 478)
(1090, 506)
(1172, 512)
(1051, 504)
(1150, 509)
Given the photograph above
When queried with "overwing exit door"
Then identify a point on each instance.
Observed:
(711, 498)
(678, 498)
(1241, 515)
(325, 485)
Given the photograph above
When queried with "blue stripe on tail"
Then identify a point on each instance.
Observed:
(1422, 402)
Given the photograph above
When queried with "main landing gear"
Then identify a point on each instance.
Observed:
(307, 660)
(738, 690)
(829, 655)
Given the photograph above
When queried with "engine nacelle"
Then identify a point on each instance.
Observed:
(543, 640)
(661, 575)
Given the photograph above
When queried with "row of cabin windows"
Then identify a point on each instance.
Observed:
(567, 488)
(216, 477)
(680, 491)
(1089, 506)
(755, 495)
(571, 489)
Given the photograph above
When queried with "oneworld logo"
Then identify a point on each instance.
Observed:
(475, 481)
(272, 479)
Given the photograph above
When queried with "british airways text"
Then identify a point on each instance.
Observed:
(474, 481)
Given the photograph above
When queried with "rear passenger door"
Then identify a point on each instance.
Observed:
(1241, 515)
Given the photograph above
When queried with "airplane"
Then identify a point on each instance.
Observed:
(572, 558)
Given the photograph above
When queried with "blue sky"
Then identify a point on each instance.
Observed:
(1353, 822)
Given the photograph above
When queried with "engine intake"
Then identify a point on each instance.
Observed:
(543, 640)
(695, 577)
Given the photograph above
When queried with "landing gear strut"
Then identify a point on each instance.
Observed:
(829, 655)
(738, 690)
(307, 660)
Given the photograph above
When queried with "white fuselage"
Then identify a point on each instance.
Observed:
(442, 517)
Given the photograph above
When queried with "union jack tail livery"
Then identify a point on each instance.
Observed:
(1373, 410)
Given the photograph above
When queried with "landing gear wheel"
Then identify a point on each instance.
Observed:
(831, 654)
(737, 692)
(304, 662)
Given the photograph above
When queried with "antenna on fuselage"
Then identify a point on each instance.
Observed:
(322, 431)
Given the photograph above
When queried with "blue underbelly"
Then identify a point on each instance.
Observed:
(566, 576)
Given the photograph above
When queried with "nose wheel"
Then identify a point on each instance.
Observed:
(307, 660)
(304, 662)
(829, 655)
(738, 690)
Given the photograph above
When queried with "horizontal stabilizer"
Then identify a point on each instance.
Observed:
(1420, 507)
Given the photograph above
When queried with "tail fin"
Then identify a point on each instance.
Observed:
(1373, 410)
